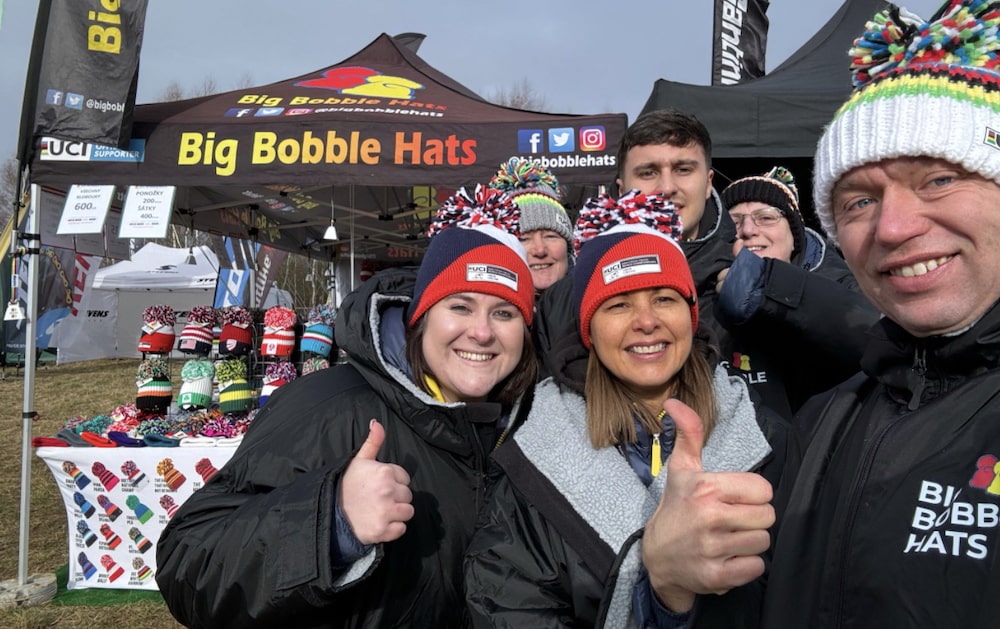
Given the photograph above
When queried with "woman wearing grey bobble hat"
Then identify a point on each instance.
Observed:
(796, 319)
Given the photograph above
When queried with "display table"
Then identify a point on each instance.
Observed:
(118, 500)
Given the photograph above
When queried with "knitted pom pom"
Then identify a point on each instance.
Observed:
(316, 363)
(486, 207)
(138, 563)
(129, 468)
(202, 314)
(601, 213)
(152, 367)
(280, 317)
(164, 466)
(518, 173)
(235, 315)
(126, 412)
(321, 313)
(229, 370)
(197, 369)
(160, 313)
(282, 370)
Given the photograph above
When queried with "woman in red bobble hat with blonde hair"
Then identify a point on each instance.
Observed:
(653, 437)
(353, 495)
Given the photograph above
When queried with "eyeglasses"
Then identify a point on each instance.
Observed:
(764, 217)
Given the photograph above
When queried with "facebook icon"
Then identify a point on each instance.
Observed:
(529, 140)
(53, 97)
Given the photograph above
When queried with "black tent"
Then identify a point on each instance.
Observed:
(777, 118)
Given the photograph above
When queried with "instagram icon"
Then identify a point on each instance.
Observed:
(592, 138)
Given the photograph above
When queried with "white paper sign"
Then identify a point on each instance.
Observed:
(85, 209)
(146, 213)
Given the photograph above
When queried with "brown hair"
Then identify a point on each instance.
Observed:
(665, 126)
(611, 406)
(507, 390)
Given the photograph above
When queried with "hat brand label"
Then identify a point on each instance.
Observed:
(491, 273)
(639, 265)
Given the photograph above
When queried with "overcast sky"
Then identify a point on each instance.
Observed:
(580, 56)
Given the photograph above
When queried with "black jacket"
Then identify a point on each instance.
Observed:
(253, 547)
(893, 519)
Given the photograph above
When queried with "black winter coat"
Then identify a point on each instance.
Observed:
(253, 547)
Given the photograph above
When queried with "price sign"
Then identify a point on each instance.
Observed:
(85, 209)
(146, 213)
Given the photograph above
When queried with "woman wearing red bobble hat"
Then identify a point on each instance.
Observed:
(645, 418)
(353, 495)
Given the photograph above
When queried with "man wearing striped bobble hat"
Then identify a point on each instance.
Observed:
(893, 519)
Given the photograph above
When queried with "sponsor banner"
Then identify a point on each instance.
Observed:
(269, 260)
(739, 40)
(83, 70)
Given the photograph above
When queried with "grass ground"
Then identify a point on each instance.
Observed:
(61, 393)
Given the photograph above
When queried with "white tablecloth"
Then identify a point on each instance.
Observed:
(122, 517)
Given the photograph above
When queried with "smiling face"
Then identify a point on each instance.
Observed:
(471, 342)
(643, 337)
(548, 257)
(922, 237)
(766, 241)
(680, 173)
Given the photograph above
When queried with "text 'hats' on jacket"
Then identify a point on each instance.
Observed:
(776, 188)
(921, 88)
(196, 391)
(317, 337)
(626, 245)
(535, 191)
(279, 332)
(235, 337)
(196, 336)
(157, 329)
(474, 249)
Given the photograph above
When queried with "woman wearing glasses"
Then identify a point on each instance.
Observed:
(788, 300)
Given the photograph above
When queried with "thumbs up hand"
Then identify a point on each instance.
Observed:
(709, 529)
(374, 496)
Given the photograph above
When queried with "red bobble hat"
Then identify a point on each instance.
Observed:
(235, 338)
(157, 330)
(279, 332)
(474, 248)
(626, 245)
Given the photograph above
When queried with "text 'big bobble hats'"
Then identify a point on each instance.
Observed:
(474, 248)
(535, 191)
(157, 329)
(626, 245)
(154, 388)
(921, 88)
(235, 337)
(279, 332)
(196, 391)
(317, 337)
(196, 337)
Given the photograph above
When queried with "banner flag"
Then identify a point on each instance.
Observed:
(739, 40)
(235, 266)
(269, 260)
(82, 72)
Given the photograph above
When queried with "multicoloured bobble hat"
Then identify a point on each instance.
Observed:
(474, 248)
(235, 338)
(135, 477)
(86, 567)
(316, 363)
(155, 390)
(113, 569)
(196, 391)
(317, 337)
(196, 337)
(142, 571)
(142, 512)
(157, 329)
(276, 375)
(169, 505)
(88, 537)
(626, 245)
(535, 191)
(776, 188)
(174, 479)
(235, 395)
(921, 88)
(205, 469)
(106, 476)
(279, 332)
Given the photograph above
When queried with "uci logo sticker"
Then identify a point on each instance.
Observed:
(639, 265)
(491, 273)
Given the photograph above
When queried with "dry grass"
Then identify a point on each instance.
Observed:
(61, 392)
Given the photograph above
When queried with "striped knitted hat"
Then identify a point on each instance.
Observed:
(279, 332)
(157, 335)
(196, 391)
(154, 388)
(474, 249)
(535, 191)
(235, 394)
(317, 337)
(921, 88)
(777, 188)
(196, 337)
(626, 245)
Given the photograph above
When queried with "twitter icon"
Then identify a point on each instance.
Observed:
(561, 140)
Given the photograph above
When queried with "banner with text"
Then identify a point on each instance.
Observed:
(739, 40)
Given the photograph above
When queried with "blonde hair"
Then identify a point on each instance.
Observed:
(611, 406)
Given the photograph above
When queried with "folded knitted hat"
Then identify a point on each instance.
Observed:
(317, 337)
(279, 332)
(235, 338)
(474, 248)
(626, 245)
(776, 188)
(921, 88)
(196, 337)
(196, 391)
(86, 566)
(535, 191)
(154, 388)
(276, 375)
(158, 329)
(235, 394)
